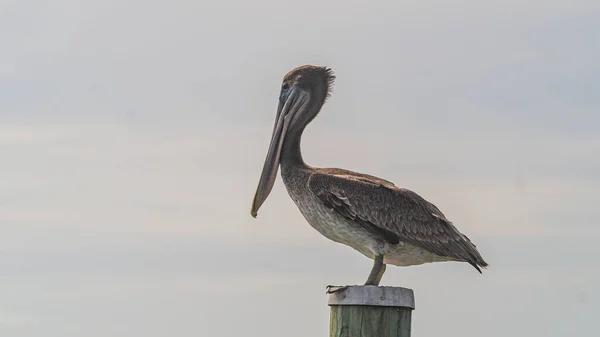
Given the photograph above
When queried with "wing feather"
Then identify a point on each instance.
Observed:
(395, 214)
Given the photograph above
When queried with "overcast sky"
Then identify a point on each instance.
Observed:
(132, 135)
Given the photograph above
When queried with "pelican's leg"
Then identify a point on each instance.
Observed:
(374, 277)
(376, 272)
(380, 275)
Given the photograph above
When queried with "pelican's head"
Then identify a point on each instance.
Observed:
(303, 93)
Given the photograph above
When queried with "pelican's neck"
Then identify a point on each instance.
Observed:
(291, 155)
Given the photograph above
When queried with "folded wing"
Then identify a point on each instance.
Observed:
(394, 214)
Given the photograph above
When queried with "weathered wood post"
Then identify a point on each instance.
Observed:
(371, 311)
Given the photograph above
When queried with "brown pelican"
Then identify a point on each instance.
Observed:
(386, 223)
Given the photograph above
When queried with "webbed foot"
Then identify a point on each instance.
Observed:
(333, 289)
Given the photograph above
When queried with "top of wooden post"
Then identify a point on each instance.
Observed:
(374, 296)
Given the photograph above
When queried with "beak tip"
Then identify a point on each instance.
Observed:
(254, 211)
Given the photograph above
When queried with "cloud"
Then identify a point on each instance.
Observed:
(119, 178)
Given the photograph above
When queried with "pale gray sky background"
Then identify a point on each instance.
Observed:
(132, 135)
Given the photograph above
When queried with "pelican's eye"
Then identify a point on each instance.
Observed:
(284, 91)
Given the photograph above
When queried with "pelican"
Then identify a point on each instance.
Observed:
(386, 223)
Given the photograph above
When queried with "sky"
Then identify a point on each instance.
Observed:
(132, 136)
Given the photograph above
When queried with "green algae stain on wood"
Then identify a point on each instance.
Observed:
(369, 321)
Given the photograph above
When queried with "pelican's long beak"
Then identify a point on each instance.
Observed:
(287, 113)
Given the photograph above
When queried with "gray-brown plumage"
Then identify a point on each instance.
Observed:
(388, 224)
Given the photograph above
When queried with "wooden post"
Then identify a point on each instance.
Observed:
(371, 311)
